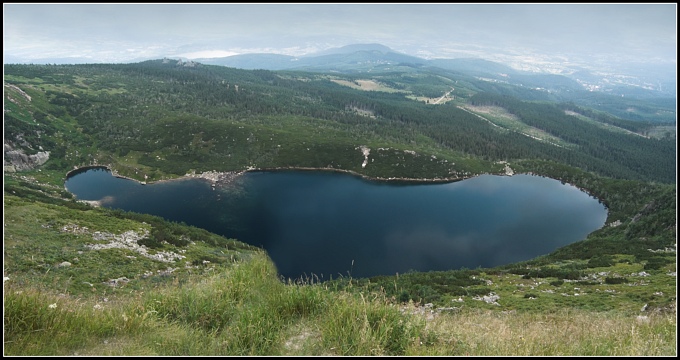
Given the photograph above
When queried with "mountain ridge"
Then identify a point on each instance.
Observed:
(377, 57)
(163, 119)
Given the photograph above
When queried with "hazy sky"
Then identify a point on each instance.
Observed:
(128, 32)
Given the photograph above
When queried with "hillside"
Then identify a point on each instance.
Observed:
(625, 96)
(199, 118)
(83, 280)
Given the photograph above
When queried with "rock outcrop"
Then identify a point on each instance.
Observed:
(17, 160)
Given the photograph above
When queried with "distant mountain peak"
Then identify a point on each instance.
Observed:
(348, 49)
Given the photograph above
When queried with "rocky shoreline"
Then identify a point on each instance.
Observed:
(225, 178)
(217, 178)
(214, 177)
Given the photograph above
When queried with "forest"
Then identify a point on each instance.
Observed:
(206, 117)
(612, 293)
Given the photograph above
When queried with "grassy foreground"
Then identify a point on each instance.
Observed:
(246, 310)
(69, 291)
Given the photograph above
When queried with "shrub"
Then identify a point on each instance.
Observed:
(558, 282)
(600, 261)
(615, 280)
(655, 263)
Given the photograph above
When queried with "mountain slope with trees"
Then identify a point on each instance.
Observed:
(81, 280)
(215, 118)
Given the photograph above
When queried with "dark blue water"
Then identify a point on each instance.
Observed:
(331, 224)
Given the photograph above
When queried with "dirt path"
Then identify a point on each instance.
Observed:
(443, 96)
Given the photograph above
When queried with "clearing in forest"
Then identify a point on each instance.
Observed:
(501, 117)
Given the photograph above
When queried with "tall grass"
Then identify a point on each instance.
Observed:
(246, 310)
(567, 332)
(36, 323)
(356, 326)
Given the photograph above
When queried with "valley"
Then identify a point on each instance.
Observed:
(167, 119)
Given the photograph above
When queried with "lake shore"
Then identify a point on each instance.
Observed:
(224, 178)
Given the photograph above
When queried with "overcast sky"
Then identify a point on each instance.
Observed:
(127, 32)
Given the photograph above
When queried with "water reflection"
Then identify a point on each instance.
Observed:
(331, 224)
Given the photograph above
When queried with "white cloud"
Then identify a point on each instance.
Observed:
(202, 30)
(207, 54)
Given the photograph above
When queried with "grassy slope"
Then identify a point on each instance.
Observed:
(236, 305)
(225, 297)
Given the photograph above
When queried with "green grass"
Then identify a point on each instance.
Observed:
(226, 298)
(246, 310)
(243, 310)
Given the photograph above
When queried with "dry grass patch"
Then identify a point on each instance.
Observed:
(301, 339)
(366, 85)
(569, 332)
(494, 111)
